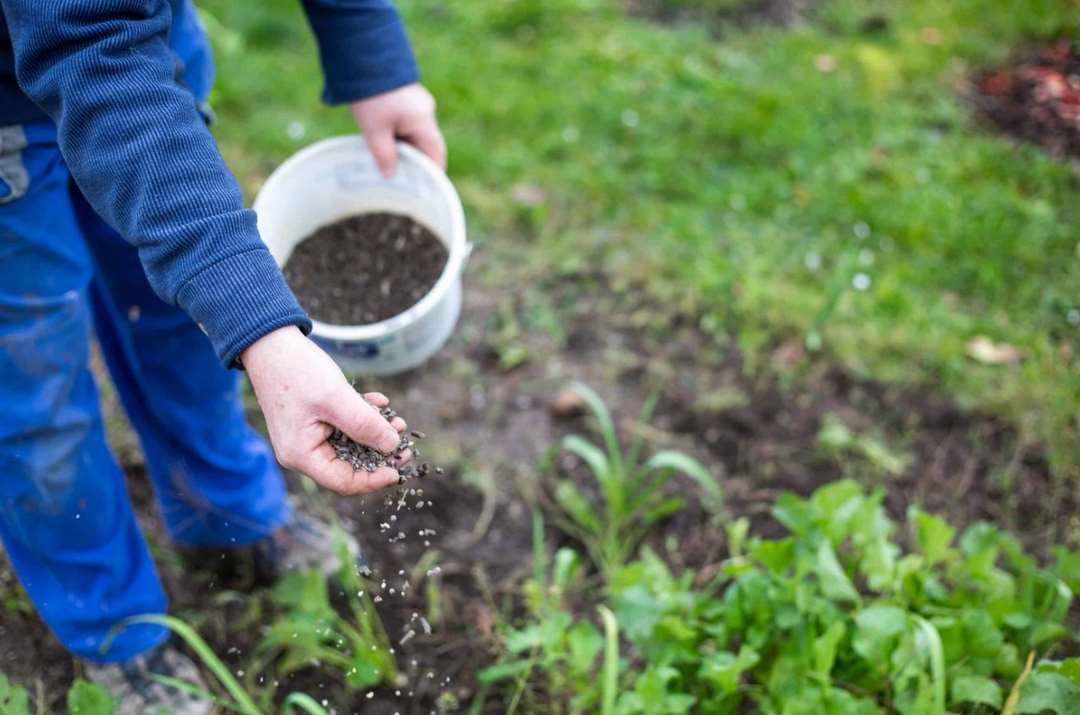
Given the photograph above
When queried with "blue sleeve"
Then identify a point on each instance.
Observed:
(362, 46)
(138, 149)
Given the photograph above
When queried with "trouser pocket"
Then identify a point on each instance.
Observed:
(14, 179)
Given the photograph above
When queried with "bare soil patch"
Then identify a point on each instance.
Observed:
(490, 426)
(1035, 97)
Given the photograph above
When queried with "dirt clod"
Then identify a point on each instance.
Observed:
(567, 403)
(365, 269)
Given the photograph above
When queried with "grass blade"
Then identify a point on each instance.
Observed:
(609, 679)
(637, 441)
(936, 655)
(670, 459)
(604, 421)
(303, 702)
(243, 701)
(1014, 695)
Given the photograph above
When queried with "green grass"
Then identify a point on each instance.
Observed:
(734, 178)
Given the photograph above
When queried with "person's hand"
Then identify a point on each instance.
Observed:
(304, 396)
(406, 113)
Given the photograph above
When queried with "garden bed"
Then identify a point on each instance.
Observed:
(1035, 97)
(486, 404)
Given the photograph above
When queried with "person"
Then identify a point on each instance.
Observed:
(118, 216)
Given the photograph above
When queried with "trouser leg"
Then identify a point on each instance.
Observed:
(65, 519)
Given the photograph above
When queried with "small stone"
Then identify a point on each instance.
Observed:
(567, 403)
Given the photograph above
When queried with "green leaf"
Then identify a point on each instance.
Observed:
(1050, 691)
(834, 582)
(304, 702)
(609, 675)
(929, 641)
(524, 639)
(825, 647)
(835, 505)
(14, 699)
(724, 669)
(503, 671)
(577, 506)
(932, 534)
(566, 569)
(737, 532)
(662, 510)
(876, 630)
(86, 698)
(604, 421)
(1067, 567)
(590, 454)
(685, 464)
(1070, 668)
(651, 694)
(585, 643)
(976, 689)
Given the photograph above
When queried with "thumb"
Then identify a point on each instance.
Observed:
(381, 143)
(361, 422)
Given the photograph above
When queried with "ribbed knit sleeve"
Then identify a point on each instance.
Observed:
(362, 46)
(138, 149)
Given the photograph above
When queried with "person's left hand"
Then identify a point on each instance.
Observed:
(406, 113)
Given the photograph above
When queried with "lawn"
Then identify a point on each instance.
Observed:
(862, 209)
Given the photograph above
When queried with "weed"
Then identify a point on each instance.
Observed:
(83, 698)
(834, 617)
(630, 494)
(310, 630)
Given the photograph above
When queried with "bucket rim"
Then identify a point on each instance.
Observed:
(458, 246)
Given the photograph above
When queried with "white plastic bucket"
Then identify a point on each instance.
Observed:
(337, 178)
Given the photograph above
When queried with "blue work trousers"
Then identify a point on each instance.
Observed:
(65, 519)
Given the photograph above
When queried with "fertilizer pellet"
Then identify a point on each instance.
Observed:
(366, 459)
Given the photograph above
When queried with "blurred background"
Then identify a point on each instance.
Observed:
(823, 171)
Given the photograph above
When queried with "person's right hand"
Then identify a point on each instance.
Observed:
(304, 397)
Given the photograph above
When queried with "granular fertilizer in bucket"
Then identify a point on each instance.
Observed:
(365, 269)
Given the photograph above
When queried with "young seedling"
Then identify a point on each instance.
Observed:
(630, 496)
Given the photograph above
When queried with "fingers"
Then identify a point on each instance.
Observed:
(361, 421)
(380, 400)
(380, 141)
(427, 138)
(324, 467)
(377, 398)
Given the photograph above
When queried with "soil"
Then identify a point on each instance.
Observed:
(785, 13)
(491, 427)
(1036, 97)
(392, 262)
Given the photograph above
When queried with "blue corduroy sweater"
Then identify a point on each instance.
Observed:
(123, 94)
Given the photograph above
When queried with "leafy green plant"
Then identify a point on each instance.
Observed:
(551, 646)
(14, 700)
(630, 495)
(86, 698)
(310, 630)
(835, 617)
(835, 439)
(83, 698)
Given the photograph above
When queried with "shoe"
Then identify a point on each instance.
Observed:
(136, 693)
(301, 544)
